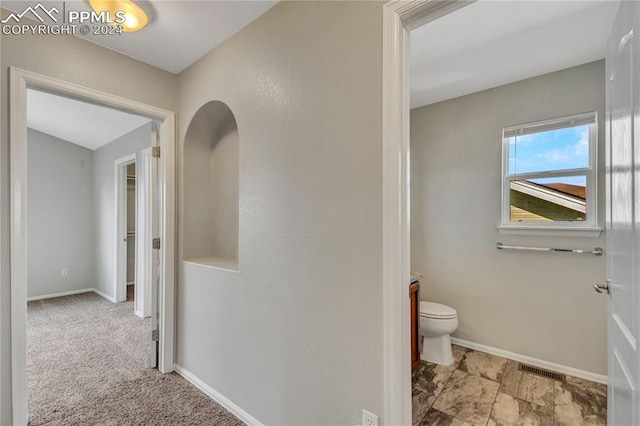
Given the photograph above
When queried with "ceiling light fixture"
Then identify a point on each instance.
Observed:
(135, 17)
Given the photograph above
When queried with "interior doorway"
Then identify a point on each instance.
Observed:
(399, 20)
(132, 209)
(162, 226)
(135, 195)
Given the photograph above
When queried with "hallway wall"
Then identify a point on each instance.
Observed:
(295, 337)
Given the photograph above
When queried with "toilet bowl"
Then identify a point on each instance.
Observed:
(437, 322)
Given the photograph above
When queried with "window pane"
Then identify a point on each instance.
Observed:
(561, 199)
(560, 149)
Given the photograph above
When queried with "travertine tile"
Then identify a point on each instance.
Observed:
(421, 401)
(484, 365)
(580, 401)
(510, 411)
(511, 379)
(467, 397)
(458, 354)
(431, 378)
(443, 395)
(528, 387)
(438, 418)
(537, 390)
(428, 381)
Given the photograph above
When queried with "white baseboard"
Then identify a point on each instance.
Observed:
(64, 293)
(217, 396)
(588, 375)
(106, 296)
(69, 293)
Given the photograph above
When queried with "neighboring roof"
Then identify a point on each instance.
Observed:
(574, 190)
(550, 194)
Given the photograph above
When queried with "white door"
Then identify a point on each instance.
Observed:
(623, 216)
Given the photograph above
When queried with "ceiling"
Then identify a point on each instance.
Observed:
(180, 31)
(81, 123)
(492, 43)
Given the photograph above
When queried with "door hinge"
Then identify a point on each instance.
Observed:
(156, 244)
(155, 152)
(155, 335)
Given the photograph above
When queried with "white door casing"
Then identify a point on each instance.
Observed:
(120, 186)
(398, 18)
(143, 233)
(19, 81)
(623, 216)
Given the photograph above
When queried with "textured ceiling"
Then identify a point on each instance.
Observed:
(491, 43)
(180, 32)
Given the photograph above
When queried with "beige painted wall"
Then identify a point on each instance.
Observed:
(74, 60)
(536, 304)
(296, 336)
(211, 185)
(225, 186)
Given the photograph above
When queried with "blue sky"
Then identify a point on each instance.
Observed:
(553, 150)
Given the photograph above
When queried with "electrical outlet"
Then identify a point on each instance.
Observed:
(369, 419)
(64, 272)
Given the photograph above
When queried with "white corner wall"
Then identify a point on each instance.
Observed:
(74, 60)
(60, 216)
(296, 336)
(104, 201)
(540, 305)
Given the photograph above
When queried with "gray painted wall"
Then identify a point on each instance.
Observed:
(536, 304)
(296, 336)
(104, 202)
(60, 215)
(77, 61)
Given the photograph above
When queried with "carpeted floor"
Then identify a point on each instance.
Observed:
(87, 363)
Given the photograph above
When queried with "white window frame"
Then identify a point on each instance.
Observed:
(586, 228)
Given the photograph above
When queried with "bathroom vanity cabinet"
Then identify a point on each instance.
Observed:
(415, 312)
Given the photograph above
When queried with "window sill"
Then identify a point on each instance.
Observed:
(546, 231)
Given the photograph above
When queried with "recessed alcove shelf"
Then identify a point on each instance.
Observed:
(211, 188)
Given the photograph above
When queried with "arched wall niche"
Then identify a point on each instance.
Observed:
(211, 188)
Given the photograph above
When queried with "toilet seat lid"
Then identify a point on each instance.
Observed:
(437, 311)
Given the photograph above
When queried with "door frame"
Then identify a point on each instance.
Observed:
(19, 81)
(121, 244)
(144, 232)
(398, 17)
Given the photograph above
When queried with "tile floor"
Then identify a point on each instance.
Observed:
(483, 389)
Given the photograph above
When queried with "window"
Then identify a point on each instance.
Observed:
(549, 174)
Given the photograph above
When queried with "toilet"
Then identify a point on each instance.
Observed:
(436, 323)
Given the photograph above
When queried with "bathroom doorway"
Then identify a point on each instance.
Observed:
(456, 212)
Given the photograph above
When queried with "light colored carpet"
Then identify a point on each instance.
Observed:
(87, 363)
